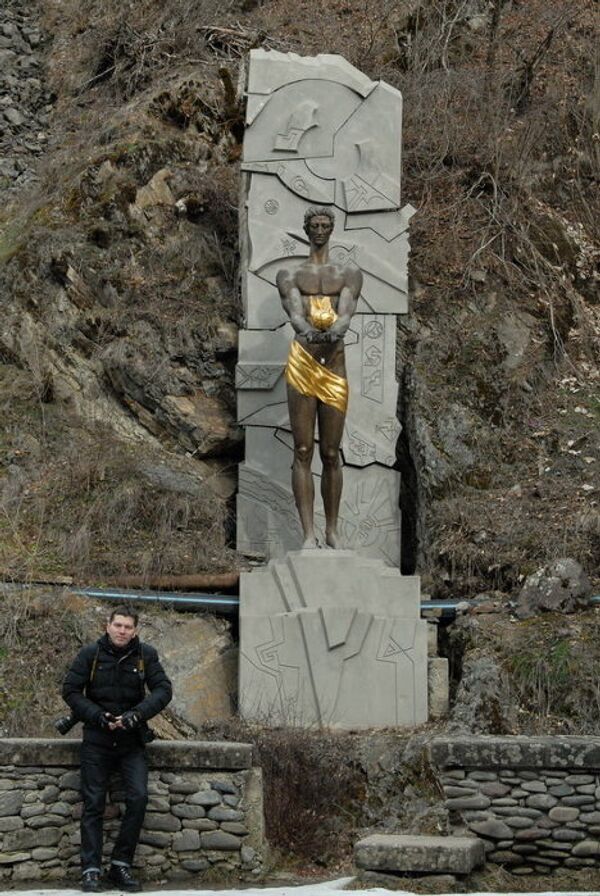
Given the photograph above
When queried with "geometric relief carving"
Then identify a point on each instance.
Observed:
(268, 522)
(373, 359)
(360, 196)
(318, 131)
(302, 119)
(276, 131)
(257, 376)
(358, 449)
(361, 449)
(260, 490)
(339, 663)
(298, 178)
(369, 518)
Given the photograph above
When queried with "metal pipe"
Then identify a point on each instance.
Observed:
(217, 603)
(228, 604)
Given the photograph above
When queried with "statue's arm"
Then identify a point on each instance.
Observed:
(347, 303)
(291, 299)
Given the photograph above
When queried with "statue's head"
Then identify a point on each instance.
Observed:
(318, 223)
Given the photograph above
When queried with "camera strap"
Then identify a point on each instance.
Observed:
(93, 668)
(142, 672)
(141, 669)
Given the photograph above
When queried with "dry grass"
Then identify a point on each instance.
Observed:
(313, 788)
(79, 504)
(550, 669)
(32, 666)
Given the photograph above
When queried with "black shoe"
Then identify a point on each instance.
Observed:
(90, 882)
(121, 876)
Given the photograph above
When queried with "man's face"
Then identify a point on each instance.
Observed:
(120, 630)
(319, 229)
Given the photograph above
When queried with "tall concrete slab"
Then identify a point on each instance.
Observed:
(327, 637)
(318, 131)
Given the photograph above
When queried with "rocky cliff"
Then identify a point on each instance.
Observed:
(121, 130)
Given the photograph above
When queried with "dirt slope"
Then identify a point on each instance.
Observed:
(119, 284)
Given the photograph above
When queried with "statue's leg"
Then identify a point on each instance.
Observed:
(331, 429)
(303, 411)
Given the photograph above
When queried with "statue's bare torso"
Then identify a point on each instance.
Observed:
(341, 285)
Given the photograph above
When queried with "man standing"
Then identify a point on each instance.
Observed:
(114, 686)
(320, 297)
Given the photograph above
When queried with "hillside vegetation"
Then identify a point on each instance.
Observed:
(119, 286)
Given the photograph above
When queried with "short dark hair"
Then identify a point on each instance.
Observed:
(124, 610)
(314, 211)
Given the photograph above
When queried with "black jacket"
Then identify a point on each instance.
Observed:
(105, 678)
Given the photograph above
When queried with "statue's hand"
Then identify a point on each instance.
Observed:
(332, 336)
(314, 336)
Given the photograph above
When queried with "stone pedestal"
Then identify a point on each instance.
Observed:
(332, 638)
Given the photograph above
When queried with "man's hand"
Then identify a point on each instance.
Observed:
(130, 720)
(105, 721)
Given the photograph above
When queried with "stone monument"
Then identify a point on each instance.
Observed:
(319, 132)
(330, 637)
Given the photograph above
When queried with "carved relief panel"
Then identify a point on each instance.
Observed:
(319, 132)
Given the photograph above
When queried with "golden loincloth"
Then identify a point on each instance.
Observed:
(309, 377)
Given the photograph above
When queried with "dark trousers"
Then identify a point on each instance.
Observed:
(97, 765)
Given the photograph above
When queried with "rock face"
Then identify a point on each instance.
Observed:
(135, 373)
(25, 102)
(482, 701)
(201, 658)
(147, 374)
(559, 587)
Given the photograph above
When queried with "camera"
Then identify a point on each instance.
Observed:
(65, 723)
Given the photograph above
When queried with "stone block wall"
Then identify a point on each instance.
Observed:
(535, 802)
(204, 817)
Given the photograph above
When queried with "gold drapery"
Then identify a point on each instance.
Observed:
(311, 378)
(320, 313)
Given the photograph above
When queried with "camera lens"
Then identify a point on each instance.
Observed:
(64, 725)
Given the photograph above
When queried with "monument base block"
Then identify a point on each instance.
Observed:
(332, 638)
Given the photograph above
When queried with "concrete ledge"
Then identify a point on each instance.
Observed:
(419, 854)
(172, 754)
(487, 752)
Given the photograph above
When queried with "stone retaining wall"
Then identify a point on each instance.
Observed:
(534, 801)
(204, 817)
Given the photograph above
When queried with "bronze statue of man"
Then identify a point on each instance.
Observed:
(320, 298)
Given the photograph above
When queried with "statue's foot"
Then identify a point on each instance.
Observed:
(332, 540)
(310, 542)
